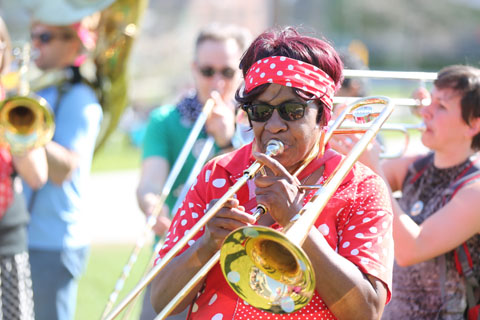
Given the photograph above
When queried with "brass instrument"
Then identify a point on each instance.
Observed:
(274, 147)
(26, 120)
(233, 276)
(118, 28)
(269, 269)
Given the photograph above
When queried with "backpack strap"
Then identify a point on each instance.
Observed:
(463, 260)
(464, 265)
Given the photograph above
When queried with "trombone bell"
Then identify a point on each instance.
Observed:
(26, 122)
(267, 270)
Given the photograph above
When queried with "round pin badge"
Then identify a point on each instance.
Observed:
(416, 208)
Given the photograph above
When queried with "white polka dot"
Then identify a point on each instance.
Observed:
(290, 67)
(324, 229)
(195, 307)
(176, 239)
(364, 260)
(272, 66)
(360, 212)
(280, 73)
(346, 244)
(194, 215)
(262, 75)
(207, 175)
(359, 235)
(380, 239)
(354, 252)
(381, 213)
(373, 230)
(184, 222)
(288, 84)
(257, 70)
(190, 205)
(376, 256)
(182, 213)
(218, 183)
(307, 72)
(265, 61)
(368, 244)
(283, 58)
(270, 80)
(251, 80)
(191, 242)
(218, 316)
(297, 76)
(365, 220)
(351, 228)
(213, 299)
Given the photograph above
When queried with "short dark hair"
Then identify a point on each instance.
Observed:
(288, 42)
(466, 81)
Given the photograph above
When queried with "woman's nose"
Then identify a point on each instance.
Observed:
(275, 123)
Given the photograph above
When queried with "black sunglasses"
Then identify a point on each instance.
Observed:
(289, 110)
(46, 37)
(208, 72)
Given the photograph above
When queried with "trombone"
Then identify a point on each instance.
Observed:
(26, 120)
(273, 149)
(284, 283)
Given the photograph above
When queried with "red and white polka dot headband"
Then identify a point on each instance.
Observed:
(291, 73)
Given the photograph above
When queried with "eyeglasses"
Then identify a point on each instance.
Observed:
(208, 72)
(47, 36)
(289, 110)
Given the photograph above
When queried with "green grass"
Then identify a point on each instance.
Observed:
(104, 268)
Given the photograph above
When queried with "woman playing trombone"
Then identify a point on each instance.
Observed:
(290, 80)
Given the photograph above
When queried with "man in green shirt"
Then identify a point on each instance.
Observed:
(218, 50)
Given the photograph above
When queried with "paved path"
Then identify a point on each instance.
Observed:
(114, 216)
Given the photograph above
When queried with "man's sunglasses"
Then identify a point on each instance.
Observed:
(289, 111)
(46, 37)
(208, 72)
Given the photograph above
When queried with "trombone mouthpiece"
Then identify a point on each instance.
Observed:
(274, 147)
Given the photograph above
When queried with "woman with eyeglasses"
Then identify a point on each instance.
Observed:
(290, 80)
(16, 296)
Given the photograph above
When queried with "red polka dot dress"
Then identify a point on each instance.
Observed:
(356, 223)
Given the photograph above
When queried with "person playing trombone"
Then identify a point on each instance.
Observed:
(218, 48)
(438, 210)
(290, 80)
